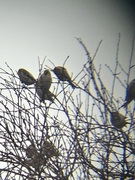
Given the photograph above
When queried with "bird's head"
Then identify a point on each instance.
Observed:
(19, 71)
(58, 70)
(46, 72)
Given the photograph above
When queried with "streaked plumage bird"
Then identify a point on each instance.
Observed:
(130, 93)
(118, 120)
(63, 75)
(26, 77)
(31, 151)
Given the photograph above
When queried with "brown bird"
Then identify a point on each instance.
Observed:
(26, 77)
(44, 94)
(130, 93)
(118, 120)
(43, 85)
(45, 80)
(63, 75)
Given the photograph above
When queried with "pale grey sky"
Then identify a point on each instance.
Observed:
(32, 28)
(37, 28)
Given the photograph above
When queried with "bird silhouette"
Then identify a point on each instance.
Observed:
(62, 74)
(118, 120)
(26, 77)
(42, 86)
(44, 94)
(130, 93)
(45, 80)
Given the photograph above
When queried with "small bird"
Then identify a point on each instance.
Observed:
(31, 151)
(130, 93)
(45, 80)
(26, 77)
(63, 75)
(118, 120)
(44, 94)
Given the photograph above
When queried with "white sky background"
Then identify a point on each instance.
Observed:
(37, 28)
(32, 28)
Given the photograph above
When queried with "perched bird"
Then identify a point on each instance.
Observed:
(31, 151)
(130, 93)
(26, 77)
(42, 86)
(118, 120)
(63, 75)
(44, 94)
(45, 80)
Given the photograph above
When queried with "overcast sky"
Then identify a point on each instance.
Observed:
(37, 28)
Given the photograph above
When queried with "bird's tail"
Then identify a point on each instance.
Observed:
(124, 105)
(72, 84)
